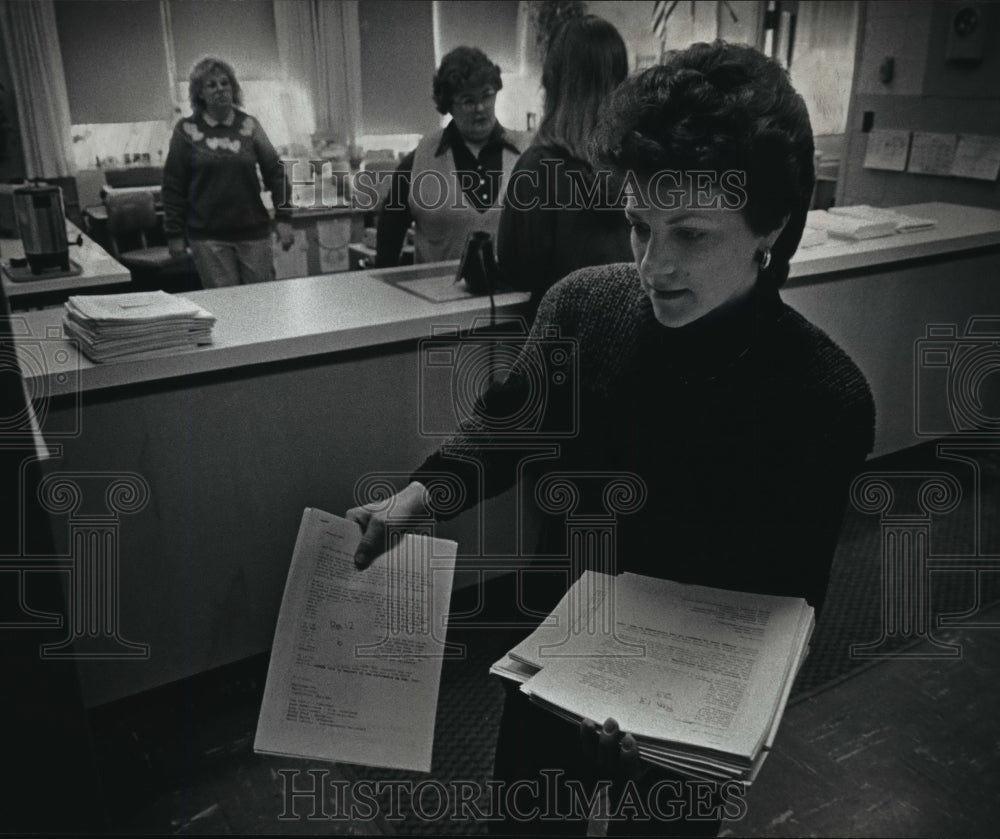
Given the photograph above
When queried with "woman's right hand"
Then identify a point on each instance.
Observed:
(177, 248)
(373, 518)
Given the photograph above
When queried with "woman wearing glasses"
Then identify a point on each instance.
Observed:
(451, 184)
(211, 190)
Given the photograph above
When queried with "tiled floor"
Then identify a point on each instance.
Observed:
(908, 747)
(903, 747)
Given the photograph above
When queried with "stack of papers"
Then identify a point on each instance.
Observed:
(865, 212)
(699, 676)
(355, 666)
(148, 324)
(864, 222)
(848, 227)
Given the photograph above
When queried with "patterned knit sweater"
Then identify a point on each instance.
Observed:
(211, 189)
(742, 430)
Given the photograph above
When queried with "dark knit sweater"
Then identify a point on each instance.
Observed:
(549, 227)
(210, 185)
(745, 427)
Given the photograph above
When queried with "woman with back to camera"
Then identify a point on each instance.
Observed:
(211, 192)
(744, 422)
(559, 213)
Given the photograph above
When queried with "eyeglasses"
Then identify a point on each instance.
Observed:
(470, 103)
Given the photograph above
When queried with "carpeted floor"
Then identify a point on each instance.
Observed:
(164, 755)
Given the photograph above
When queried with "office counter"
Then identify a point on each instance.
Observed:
(316, 389)
(311, 384)
(877, 299)
(286, 320)
(99, 269)
(958, 230)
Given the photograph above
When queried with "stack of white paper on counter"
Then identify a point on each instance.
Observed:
(848, 227)
(146, 324)
(864, 222)
(699, 676)
(903, 223)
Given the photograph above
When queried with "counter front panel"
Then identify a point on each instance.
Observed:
(314, 383)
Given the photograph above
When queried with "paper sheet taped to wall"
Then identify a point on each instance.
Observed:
(932, 153)
(887, 149)
(977, 156)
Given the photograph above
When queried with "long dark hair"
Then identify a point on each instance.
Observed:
(585, 60)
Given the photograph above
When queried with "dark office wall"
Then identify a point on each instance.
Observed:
(114, 59)
(242, 33)
(927, 93)
(397, 66)
(490, 26)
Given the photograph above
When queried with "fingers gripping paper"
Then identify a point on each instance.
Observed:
(356, 662)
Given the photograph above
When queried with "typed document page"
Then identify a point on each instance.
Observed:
(356, 662)
(711, 673)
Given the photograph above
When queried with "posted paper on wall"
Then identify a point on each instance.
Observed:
(977, 156)
(356, 662)
(932, 153)
(887, 149)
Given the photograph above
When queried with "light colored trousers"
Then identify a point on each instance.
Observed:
(222, 263)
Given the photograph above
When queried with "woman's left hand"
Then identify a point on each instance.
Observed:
(613, 752)
(285, 235)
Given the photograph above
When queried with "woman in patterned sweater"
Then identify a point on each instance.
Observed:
(211, 191)
(738, 423)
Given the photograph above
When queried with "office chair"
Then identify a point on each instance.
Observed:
(131, 217)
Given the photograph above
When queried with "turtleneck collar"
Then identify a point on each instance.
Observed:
(705, 348)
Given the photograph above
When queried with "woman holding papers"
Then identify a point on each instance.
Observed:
(738, 424)
(211, 192)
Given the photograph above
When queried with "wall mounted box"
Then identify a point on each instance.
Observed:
(967, 33)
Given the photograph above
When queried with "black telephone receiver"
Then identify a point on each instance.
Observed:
(478, 265)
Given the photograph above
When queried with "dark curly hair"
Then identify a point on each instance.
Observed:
(462, 68)
(719, 107)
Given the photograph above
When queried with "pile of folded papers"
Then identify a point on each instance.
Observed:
(699, 676)
(136, 325)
